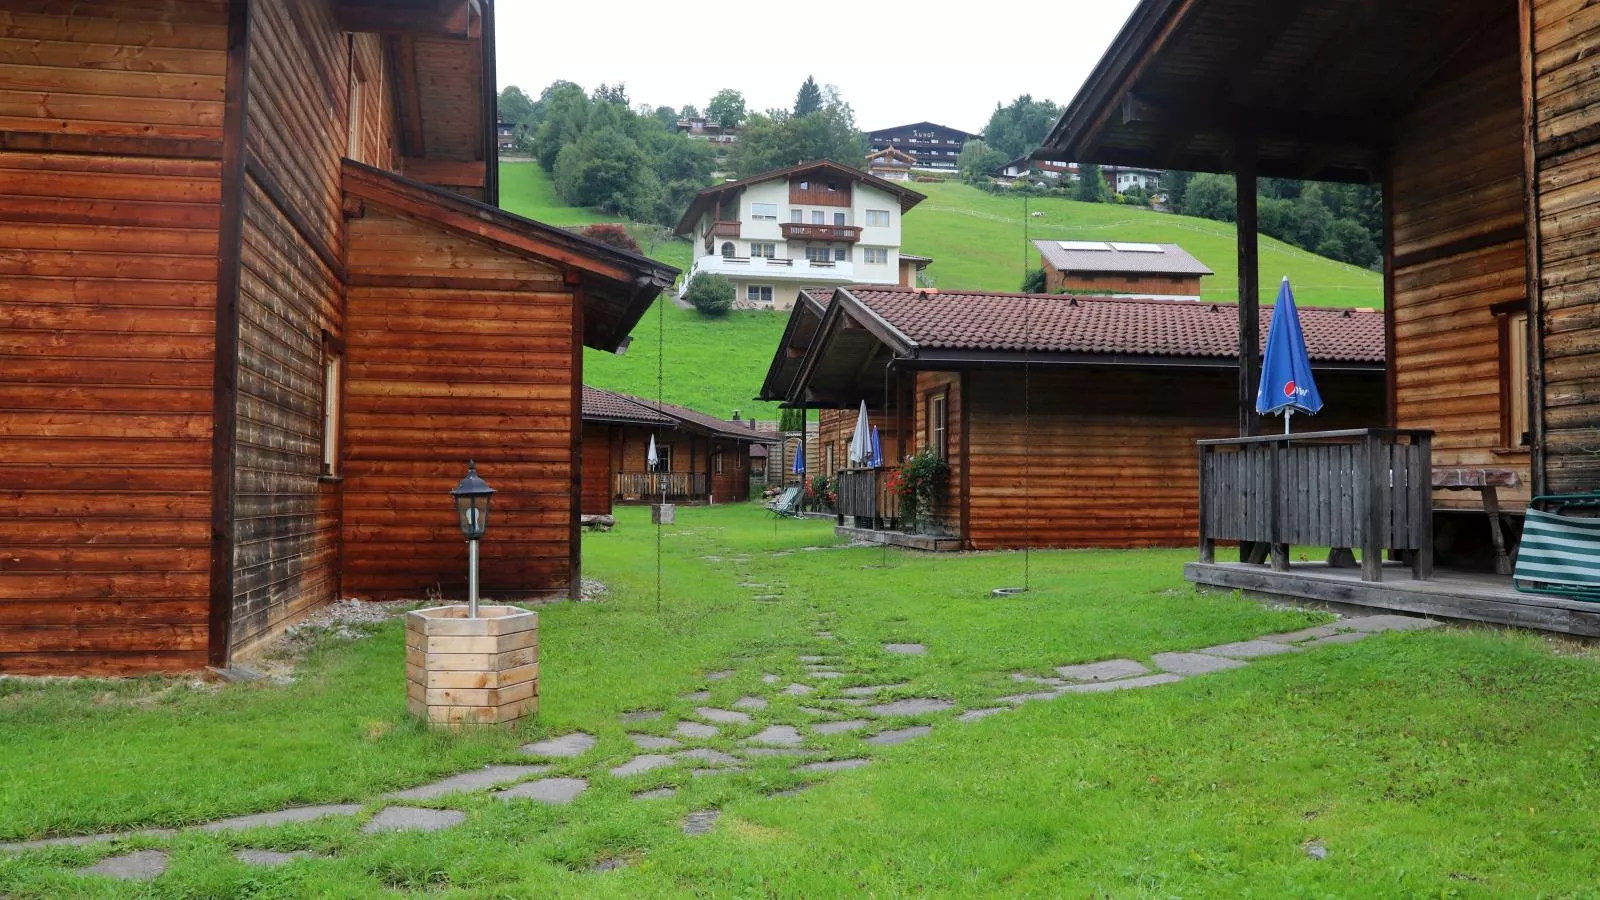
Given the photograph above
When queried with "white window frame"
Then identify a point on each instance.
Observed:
(875, 256)
(838, 219)
(841, 254)
(758, 289)
(764, 212)
(878, 218)
(663, 457)
(763, 250)
(818, 217)
(332, 405)
(797, 216)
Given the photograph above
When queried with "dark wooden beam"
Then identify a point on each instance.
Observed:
(409, 98)
(1335, 45)
(1249, 288)
(575, 520)
(1391, 390)
(311, 234)
(488, 88)
(444, 172)
(441, 19)
(110, 145)
(1535, 249)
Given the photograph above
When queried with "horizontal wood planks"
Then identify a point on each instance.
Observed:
(107, 297)
(1459, 214)
(600, 446)
(947, 512)
(1566, 36)
(1109, 460)
(732, 484)
(418, 407)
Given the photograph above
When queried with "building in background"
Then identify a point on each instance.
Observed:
(934, 146)
(1154, 271)
(891, 164)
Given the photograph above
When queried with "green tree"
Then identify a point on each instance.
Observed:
(689, 111)
(566, 114)
(666, 115)
(790, 419)
(776, 139)
(515, 105)
(1020, 127)
(711, 294)
(1033, 282)
(1091, 185)
(1211, 197)
(809, 100)
(726, 108)
(978, 161)
(617, 94)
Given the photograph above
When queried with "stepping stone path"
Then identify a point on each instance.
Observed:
(708, 756)
(843, 727)
(769, 678)
(641, 715)
(758, 752)
(697, 730)
(140, 865)
(285, 816)
(468, 781)
(723, 716)
(730, 770)
(798, 690)
(905, 649)
(1304, 634)
(411, 818)
(640, 764)
(653, 742)
(1349, 637)
(750, 703)
(899, 736)
(811, 660)
(270, 858)
(1194, 663)
(914, 707)
(777, 736)
(697, 823)
(546, 790)
(973, 715)
(657, 794)
(576, 743)
(1249, 649)
(1019, 699)
(607, 865)
(870, 689)
(1103, 671)
(825, 673)
(1101, 687)
(700, 696)
(720, 676)
(833, 765)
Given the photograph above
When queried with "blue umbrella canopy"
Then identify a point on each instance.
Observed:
(800, 457)
(877, 450)
(1287, 386)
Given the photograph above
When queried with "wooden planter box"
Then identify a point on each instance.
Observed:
(462, 671)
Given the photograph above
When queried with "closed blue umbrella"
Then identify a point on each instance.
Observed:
(1286, 382)
(877, 450)
(800, 457)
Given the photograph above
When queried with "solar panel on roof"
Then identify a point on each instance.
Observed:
(1138, 248)
(1085, 245)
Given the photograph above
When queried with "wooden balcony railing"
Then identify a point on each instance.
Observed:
(796, 231)
(648, 485)
(865, 495)
(725, 229)
(1367, 488)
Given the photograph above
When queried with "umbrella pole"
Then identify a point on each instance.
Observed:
(1287, 414)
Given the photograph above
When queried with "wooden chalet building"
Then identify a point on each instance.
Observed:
(934, 146)
(258, 312)
(1477, 119)
(703, 459)
(1113, 267)
(1066, 422)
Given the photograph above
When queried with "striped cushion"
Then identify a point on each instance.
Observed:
(1559, 553)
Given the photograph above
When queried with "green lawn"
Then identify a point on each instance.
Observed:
(1445, 763)
(978, 243)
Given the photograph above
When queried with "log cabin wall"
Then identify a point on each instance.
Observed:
(111, 120)
(1459, 250)
(1566, 119)
(732, 484)
(1110, 458)
(691, 452)
(286, 520)
(598, 452)
(839, 426)
(948, 514)
(455, 350)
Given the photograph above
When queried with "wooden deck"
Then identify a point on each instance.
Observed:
(929, 542)
(1449, 594)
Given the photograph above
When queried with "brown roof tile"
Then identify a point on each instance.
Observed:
(1052, 323)
(601, 405)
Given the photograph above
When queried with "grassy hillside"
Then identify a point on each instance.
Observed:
(716, 366)
(977, 242)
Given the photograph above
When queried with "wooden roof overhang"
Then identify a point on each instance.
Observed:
(1304, 89)
(798, 332)
(617, 286)
(847, 358)
(710, 197)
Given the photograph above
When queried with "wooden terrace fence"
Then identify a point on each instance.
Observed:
(865, 494)
(1368, 488)
(645, 485)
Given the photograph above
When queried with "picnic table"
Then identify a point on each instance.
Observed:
(1486, 482)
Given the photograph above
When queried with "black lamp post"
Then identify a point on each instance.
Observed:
(472, 509)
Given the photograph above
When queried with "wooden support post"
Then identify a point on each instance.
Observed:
(1249, 290)
(1278, 510)
(1422, 508)
(1208, 544)
(1375, 475)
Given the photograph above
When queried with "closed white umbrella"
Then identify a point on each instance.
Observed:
(861, 441)
(650, 458)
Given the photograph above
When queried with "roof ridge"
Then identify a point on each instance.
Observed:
(860, 290)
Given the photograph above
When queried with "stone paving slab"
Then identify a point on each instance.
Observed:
(546, 790)
(574, 744)
(285, 816)
(719, 676)
(754, 703)
(140, 865)
(643, 763)
(701, 822)
(777, 736)
(412, 818)
(1125, 684)
(270, 858)
(759, 752)
(824, 673)
(905, 649)
(696, 730)
(832, 765)
(609, 864)
(698, 696)
(973, 715)
(657, 794)
(1019, 699)
(486, 777)
(867, 690)
(1388, 623)
(843, 727)
(1348, 637)
(812, 659)
(722, 716)
(898, 736)
(1020, 678)
(1194, 663)
(1304, 634)
(708, 756)
(730, 770)
(641, 715)
(915, 706)
(1103, 671)
(798, 690)
(653, 741)
(1249, 649)
(769, 678)
(81, 840)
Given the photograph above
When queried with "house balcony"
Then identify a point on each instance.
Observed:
(746, 268)
(720, 230)
(795, 231)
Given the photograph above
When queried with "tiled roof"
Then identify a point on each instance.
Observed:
(1148, 259)
(609, 406)
(1053, 323)
(722, 427)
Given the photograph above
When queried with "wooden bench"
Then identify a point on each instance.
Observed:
(1487, 483)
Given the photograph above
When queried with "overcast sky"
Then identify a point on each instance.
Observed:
(893, 63)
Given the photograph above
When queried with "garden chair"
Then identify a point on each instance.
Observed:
(787, 504)
(1560, 553)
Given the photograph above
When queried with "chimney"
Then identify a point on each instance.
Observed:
(736, 415)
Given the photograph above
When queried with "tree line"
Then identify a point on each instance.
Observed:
(1339, 221)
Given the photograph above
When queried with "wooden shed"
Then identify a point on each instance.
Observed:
(700, 458)
(1065, 421)
(1477, 120)
(258, 311)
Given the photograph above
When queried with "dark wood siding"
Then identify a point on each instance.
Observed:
(107, 326)
(947, 515)
(1566, 37)
(454, 370)
(598, 453)
(1460, 249)
(732, 485)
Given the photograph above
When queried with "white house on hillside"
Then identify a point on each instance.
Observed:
(1125, 178)
(815, 225)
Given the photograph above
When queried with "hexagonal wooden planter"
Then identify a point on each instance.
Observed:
(462, 671)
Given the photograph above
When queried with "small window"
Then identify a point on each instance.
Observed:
(332, 402)
(758, 293)
(727, 249)
(356, 113)
(828, 461)
(716, 463)
(817, 217)
(764, 211)
(738, 461)
(805, 185)
(797, 216)
(819, 254)
(663, 457)
(1514, 379)
(838, 218)
(841, 254)
(938, 424)
(878, 218)
(875, 255)
(764, 250)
